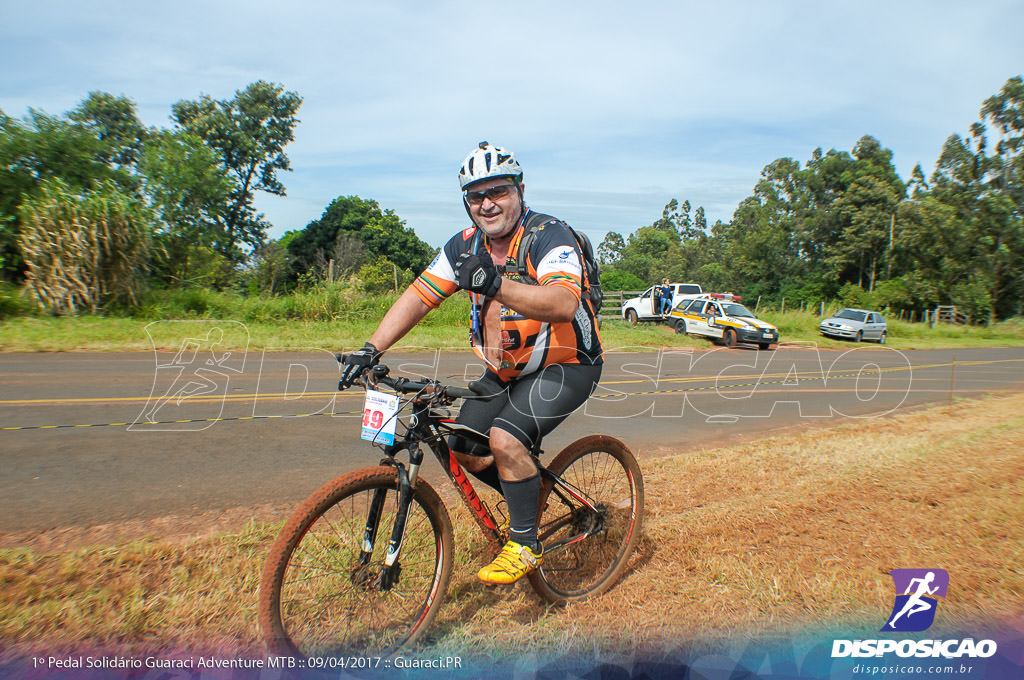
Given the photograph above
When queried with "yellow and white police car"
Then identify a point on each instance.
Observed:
(722, 319)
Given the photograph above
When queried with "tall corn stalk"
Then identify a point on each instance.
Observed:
(84, 251)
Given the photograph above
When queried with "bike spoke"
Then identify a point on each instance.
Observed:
(333, 595)
(585, 548)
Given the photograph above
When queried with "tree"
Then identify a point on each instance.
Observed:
(676, 220)
(816, 225)
(700, 222)
(761, 245)
(1004, 208)
(985, 193)
(613, 279)
(189, 191)
(644, 248)
(249, 132)
(610, 249)
(1005, 113)
(674, 246)
(864, 212)
(114, 122)
(39, 148)
(271, 267)
(379, 233)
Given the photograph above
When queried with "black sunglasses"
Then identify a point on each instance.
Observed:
(494, 193)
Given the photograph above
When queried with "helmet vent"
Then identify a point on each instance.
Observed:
(488, 161)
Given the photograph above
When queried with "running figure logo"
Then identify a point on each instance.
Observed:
(917, 596)
(190, 388)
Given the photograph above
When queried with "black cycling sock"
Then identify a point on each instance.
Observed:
(489, 476)
(522, 497)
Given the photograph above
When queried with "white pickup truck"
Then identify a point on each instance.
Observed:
(643, 308)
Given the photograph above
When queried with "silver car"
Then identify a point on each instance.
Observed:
(855, 324)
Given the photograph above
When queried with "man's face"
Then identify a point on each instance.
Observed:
(496, 214)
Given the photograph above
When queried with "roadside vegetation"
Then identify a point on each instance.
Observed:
(771, 538)
(107, 225)
(340, 316)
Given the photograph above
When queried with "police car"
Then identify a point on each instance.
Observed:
(722, 319)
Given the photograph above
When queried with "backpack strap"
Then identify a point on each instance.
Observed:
(532, 223)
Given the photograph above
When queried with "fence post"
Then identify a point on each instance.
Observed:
(783, 310)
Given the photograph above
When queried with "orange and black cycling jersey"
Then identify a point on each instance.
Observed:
(527, 345)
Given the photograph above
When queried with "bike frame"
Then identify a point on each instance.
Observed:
(431, 427)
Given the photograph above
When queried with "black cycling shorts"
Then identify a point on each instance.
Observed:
(529, 407)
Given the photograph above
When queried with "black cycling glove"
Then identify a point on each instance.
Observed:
(478, 274)
(356, 363)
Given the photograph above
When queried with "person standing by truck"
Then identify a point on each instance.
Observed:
(664, 298)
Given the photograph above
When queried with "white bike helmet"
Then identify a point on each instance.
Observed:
(488, 161)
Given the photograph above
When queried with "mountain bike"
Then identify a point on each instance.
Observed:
(362, 565)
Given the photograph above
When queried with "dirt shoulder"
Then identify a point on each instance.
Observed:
(766, 538)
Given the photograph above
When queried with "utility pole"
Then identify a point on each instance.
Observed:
(892, 225)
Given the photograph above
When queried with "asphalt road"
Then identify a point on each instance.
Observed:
(94, 438)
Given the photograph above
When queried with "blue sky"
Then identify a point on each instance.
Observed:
(613, 108)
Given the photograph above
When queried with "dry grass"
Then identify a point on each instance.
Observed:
(776, 537)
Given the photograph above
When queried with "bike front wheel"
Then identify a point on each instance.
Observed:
(326, 591)
(586, 551)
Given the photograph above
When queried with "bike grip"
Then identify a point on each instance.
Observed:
(477, 390)
(460, 393)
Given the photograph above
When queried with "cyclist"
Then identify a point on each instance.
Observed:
(538, 338)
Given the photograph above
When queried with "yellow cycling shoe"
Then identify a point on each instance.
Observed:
(512, 563)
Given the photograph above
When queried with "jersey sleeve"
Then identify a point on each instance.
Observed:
(556, 258)
(437, 281)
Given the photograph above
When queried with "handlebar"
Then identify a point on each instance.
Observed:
(379, 374)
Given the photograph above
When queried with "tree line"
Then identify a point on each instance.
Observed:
(96, 208)
(844, 225)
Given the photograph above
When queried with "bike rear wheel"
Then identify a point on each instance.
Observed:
(605, 471)
(322, 595)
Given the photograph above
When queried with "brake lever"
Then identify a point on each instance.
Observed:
(369, 377)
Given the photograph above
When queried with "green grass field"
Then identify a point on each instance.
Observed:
(336, 317)
(443, 328)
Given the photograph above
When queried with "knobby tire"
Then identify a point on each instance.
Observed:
(603, 469)
(317, 598)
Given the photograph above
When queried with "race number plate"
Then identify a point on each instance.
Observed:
(380, 417)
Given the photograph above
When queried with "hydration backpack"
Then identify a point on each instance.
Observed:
(591, 269)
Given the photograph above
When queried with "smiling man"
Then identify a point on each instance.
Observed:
(536, 332)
